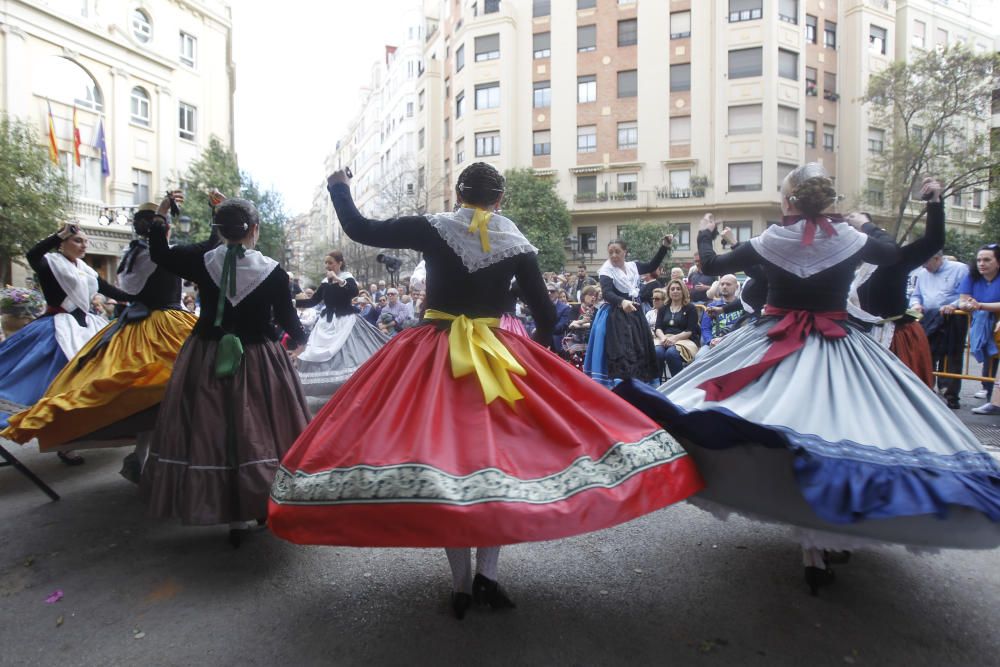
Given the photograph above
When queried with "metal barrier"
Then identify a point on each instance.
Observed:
(968, 354)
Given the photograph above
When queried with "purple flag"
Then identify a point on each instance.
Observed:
(103, 147)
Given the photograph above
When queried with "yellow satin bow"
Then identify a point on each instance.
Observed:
(480, 220)
(473, 347)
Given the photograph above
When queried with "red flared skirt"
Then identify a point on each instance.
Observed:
(406, 455)
(909, 343)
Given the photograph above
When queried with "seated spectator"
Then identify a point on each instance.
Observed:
(401, 312)
(700, 282)
(190, 305)
(650, 282)
(578, 330)
(579, 282)
(677, 273)
(563, 315)
(719, 320)
(677, 331)
(659, 298)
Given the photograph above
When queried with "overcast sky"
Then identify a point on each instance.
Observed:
(299, 67)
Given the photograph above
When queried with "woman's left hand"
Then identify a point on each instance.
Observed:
(667, 241)
(707, 223)
(628, 306)
(339, 176)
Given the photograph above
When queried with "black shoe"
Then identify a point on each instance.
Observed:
(71, 459)
(262, 522)
(130, 468)
(953, 402)
(487, 591)
(460, 603)
(236, 536)
(817, 577)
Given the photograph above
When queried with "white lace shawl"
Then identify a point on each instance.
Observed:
(861, 276)
(782, 246)
(506, 240)
(251, 271)
(626, 279)
(78, 280)
(142, 268)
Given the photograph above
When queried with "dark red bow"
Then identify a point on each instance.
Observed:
(824, 222)
(787, 337)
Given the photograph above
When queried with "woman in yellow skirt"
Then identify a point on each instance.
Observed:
(109, 393)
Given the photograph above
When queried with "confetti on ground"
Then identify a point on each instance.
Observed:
(55, 597)
(59, 622)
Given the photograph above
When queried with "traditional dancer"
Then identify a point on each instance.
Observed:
(620, 345)
(469, 469)
(341, 341)
(233, 405)
(880, 292)
(33, 356)
(801, 417)
(109, 392)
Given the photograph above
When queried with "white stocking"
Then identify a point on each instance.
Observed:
(461, 569)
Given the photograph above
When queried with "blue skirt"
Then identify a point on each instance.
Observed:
(840, 437)
(29, 360)
(595, 364)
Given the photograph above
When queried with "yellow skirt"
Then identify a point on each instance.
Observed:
(126, 377)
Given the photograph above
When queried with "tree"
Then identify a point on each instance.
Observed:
(643, 239)
(272, 216)
(990, 229)
(540, 214)
(935, 113)
(34, 193)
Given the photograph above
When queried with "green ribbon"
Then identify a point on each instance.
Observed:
(227, 283)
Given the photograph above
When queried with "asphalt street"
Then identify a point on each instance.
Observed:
(677, 587)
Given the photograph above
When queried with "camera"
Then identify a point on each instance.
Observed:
(392, 264)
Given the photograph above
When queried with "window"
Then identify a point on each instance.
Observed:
(830, 86)
(586, 190)
(682, 236)
(680, 130)
(746, 119)
(541, 8)
(421, 98)
(409, 109)
(447, 128)
(680, 180)
(811, 133)
(680, 25)
(491, 6)
(828, 137)
(812, 85)
(487, 47)
(744, 10)
(187, 125)
(586, 38)
(488, 95)
(188, 48)
(742, 230)
(784, 168)
(940, 38)
(628, 135)
(628, 83)
(829, 34)
(788, 11)
(956, 198)
(586, 88)
(876, 39)
(680, 77)
(420, 138)
(744, 176)
(542, 44)
(788, 64)
(460, 151)
(788, 121)
(460, 58)
(627, 184)
(876, 193)
(810, 29)
(459, 105)
(542, 95)
(447, 87)
(586, 4)
(487, 144)
(745, 63)
(876, 140)
(628, 32)
(142, 29)
(542, 142)
(586, 139)
(140, 109)
(140, 186)
(977, 198)
(919, 35)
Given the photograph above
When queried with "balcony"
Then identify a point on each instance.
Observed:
(667, 192)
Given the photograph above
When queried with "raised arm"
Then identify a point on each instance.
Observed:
(661, 254)
(739, 259)
(109, 290)
(921, 250)
(36, 256)
(412, 232)
(314, 300)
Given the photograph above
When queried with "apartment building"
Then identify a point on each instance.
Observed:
(156, 76)
(661, 110)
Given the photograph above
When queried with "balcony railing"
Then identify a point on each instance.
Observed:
(667, 192)
(592, 197)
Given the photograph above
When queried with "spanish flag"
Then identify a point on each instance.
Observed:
(76, 138)
(53, 146)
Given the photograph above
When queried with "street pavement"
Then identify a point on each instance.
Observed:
(677, 587)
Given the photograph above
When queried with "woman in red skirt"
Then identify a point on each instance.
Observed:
(491, 452)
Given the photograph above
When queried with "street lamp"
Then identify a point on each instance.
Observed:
(183, 228)
(116, 215)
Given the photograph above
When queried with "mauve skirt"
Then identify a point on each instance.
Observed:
(190, 475)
